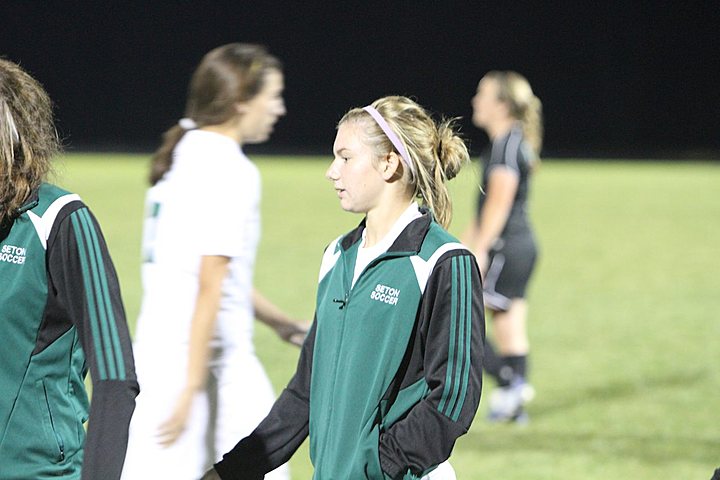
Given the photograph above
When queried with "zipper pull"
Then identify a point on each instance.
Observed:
(61, 446)
(341, 301)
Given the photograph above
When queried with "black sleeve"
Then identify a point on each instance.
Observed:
(452, 329)
(86, 285)
(281, 433)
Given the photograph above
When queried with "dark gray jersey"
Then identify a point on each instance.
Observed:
(511, 152)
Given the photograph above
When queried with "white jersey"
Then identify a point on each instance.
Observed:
(207, 204)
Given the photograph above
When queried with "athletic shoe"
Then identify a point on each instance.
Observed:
(507, 404)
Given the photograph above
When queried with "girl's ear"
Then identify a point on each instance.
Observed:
(389, 167)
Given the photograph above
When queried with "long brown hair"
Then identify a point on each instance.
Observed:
(226, 75)
(28, 140)
(435, 148)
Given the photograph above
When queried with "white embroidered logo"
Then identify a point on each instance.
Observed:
(13, 254)
(385, 294)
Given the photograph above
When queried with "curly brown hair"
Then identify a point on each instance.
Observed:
(28, 139)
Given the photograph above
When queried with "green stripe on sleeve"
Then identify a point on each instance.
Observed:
(467, 287)
(89, 293)
(102, 308)
(451, 349)
(460, 357)
(106, 299)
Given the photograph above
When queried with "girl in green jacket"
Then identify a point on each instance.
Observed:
(61, 312)
(390, 373)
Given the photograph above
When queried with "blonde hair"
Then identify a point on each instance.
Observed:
(28, 139)
(436, 150)
(514, 90)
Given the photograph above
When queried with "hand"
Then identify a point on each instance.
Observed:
(211, 475)
(482, 260)
(293, 332)
(172, 428)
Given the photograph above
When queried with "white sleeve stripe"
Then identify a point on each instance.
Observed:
(424, 268)
(330, 258)
(43, 225)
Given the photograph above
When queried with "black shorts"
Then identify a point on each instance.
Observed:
(510, 263)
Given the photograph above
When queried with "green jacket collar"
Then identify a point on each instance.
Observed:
(30, 203)
(410, 240)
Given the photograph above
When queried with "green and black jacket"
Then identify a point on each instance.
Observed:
(60, 314)
(390, 373)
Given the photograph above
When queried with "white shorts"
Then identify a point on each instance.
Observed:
(238, 397)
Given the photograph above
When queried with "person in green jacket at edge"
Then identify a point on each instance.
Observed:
(60, 310)
(390, 373)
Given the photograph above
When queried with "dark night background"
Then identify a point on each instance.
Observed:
(634, 79)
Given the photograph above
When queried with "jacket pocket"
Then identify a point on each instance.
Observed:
(373, 470)
(53, 439)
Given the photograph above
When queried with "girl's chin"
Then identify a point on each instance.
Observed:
(348, 207)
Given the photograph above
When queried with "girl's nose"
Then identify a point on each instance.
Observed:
(332, 172)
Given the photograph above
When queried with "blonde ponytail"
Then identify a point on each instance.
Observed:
(532, 123)
(451, 155)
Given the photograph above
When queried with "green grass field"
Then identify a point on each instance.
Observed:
(623, 308)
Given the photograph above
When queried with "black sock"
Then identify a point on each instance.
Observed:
(511, 367)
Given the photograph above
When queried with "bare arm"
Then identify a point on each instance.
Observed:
(501, 189)
(272, 316)
(213, 270)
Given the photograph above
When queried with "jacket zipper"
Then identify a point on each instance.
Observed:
(343, 302)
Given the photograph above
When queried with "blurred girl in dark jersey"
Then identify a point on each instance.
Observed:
(501, 235)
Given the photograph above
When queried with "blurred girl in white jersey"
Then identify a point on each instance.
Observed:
(202, 385)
